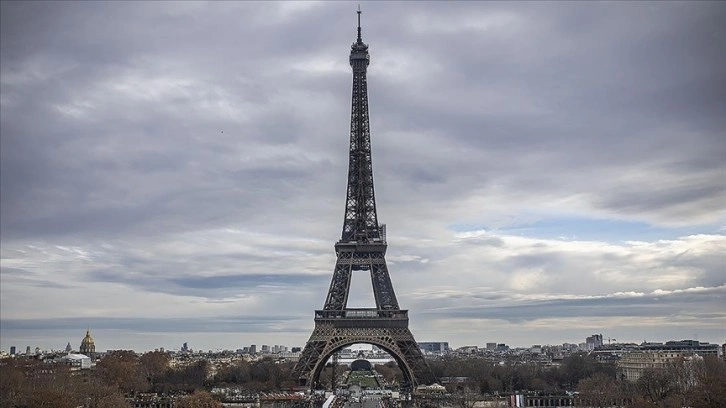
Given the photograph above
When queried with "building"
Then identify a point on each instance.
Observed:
(434, 346)
(523, 400)
(77, 361)
(88, 346)
(661, 356)
(690, 346)
(468, 349)
(491, 346)
(633, 365)
(12, 350)
(593, 342)
(289, 356)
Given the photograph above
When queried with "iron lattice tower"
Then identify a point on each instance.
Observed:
(362, 247)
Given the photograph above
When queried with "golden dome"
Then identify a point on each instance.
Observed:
(87, 344)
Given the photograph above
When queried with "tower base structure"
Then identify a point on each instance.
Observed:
(387, 329)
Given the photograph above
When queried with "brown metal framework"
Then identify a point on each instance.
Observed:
(362, 247)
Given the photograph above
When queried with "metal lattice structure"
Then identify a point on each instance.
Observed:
(362, 247)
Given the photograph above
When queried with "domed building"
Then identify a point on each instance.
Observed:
(88, 346)
(361, 365)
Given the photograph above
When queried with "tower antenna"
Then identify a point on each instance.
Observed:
(359, 37)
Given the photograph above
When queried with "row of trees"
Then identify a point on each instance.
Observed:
(700, 382)
(697, 382)
(150, 372)
(34, 383)
(488, 378)
(262, 375)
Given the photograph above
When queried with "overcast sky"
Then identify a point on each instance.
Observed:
(176, 172)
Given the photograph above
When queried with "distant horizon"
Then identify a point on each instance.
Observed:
(75, 343)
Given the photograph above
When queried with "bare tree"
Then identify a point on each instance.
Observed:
(122, 369)
(658, 387)
(199, 399)
(12, 383)
(155, 366)
(599, 390)
(467, 397)
(710, 383)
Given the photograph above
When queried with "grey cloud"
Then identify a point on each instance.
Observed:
(211, 287)
(492, 132)
(632, 306)
(486, 241)
(208, 324)
(551, 260)
(708, 195)
(244, 281)
(14, 276)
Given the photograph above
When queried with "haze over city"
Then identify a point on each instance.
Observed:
(175, 171)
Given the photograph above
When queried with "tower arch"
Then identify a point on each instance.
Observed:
(385, 344)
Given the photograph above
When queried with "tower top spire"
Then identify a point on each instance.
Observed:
(359, 50)
(360, 40)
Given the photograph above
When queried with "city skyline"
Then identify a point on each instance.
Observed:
(271, 347)
(176, 171)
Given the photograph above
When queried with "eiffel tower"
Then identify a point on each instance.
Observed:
(362, 248)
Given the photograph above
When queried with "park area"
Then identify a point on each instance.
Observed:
(364, 379)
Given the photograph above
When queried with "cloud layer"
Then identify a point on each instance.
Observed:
(176, 171)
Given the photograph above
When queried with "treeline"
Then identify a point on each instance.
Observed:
(121, 374)
(150, 372)
(257, 376)
(696, 383)
(488, 378)
(33, 383)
